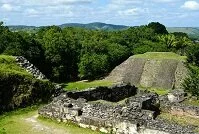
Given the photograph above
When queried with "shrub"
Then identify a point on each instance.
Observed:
(191, 83)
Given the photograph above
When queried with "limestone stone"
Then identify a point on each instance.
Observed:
(148, 72)
(118, 110)
(176, 96)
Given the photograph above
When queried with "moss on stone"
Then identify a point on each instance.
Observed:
(19, 88)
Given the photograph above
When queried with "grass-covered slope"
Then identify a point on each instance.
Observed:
(18, 88)
(162, 70)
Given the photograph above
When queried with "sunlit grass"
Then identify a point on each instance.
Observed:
(159, 91)
(14, 123)
(8, 65)
(161, 55)
(79, 85)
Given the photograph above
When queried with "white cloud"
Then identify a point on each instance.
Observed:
(164, 1)
(46, 2)
(191, 5)
(129, 12)
(7, 7)
(32, 12)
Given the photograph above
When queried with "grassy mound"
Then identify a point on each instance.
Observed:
(8, 66)
(160, 55)
(19, 88)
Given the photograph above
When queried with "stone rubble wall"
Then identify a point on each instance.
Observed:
(173, 103)
(29, 67)
(113, 94)
(95, 108)
(24, 63)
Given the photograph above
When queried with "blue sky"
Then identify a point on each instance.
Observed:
(125, 12)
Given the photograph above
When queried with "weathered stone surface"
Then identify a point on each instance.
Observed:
(148, 76)
(176, 96)
(134, 72)
(180, 75)
(166, 74)
(127, 113)
(148, 72)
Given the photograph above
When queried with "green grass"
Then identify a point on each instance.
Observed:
(15, 123)
(191, 102)
(80, 85)
(70, 127)
(160, 55)
(8, 65)
(156, 90)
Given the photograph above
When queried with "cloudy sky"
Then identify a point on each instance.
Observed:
(125, 12)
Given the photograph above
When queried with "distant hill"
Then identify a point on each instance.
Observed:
(93, 26)
(23, 28)
(193, 32)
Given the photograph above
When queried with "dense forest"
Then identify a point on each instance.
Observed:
(69, 54)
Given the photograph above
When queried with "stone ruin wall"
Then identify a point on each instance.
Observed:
(121, 109)
(29, 67)
(156, 73)
(173, 104)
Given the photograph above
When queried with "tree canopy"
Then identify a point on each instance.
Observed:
(74, 53)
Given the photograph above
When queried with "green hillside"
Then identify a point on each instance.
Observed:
(193, 32)
(93, 26)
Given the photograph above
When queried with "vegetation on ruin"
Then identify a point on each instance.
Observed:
(8, 66)
(159, 91)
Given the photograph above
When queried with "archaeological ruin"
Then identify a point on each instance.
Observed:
(121, 109)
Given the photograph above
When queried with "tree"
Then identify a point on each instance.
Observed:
(191, 83)
(169, 40)
(158, 28)
(93, 66)
(193, 54)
